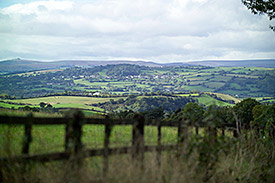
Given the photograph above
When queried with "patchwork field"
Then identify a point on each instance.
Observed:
(59, 102)
(242, 82)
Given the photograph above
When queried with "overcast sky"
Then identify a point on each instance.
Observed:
(155, 30)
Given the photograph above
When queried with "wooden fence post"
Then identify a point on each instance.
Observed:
(180, 133)
(108, 130)
(197, 130)
(180, 139)
(27, 135)
(73, 132)
(182, 136)
(138, 137)
(159, 145)
(212, 132)
(27, 139)
(77, 131)
(237, 131)
(68, 136)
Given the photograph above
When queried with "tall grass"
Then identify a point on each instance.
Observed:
(203, 159)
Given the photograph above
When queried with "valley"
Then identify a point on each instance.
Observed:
(122, 87)
(124, 79)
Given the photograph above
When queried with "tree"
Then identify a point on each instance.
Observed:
(42, 104)
(193, 114)
(244, 109)
(156, 113)
(264, 118)
(213, 116)
(261, 7)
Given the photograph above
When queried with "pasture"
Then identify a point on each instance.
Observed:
(60, 102)
(166, 79)
(200, 160)
(208, 100)
(47, 139)
(226, 97)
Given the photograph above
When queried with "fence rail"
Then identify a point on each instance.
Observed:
(15, 120)
(73, 132)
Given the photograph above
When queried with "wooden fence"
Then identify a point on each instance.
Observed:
(73, 144)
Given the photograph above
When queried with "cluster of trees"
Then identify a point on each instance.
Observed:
(33, 85)
(142, 103)
(110, 70)
(43, 107)
(245, 114)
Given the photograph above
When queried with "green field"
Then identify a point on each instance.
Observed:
(188, 95)
(133, 79)
(93, 137)
(226, 97)
(85, 103)
(207, 101)
(60, 102)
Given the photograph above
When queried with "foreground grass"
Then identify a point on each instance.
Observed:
(201, 159)
(50, 138)
(226, 160)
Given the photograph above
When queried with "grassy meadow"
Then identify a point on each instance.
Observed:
(59, 102)
(50, 138)
(202, 160)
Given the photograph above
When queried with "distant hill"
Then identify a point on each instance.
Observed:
(21, 65)
(18, 65)
(268, 63)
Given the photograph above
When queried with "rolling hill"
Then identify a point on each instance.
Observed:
(22, 65)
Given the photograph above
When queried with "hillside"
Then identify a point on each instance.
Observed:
(21, 65)
(168, 103)
(124, 79)
(268, 63)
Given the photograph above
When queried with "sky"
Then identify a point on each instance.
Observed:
(149, 30)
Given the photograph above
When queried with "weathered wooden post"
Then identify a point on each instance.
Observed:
(215, 133)
(73, 132)
(212, 133)
(77, 131)
(27, 139)
(223, 133)
(68, 135)
(108, 130)
(27, 135)
(73, 144)
(180, 139)
(138, 137)
(182, 135)
(197, 129)
(237, 130)
(159, 145)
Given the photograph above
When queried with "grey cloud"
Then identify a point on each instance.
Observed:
(142, 29)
